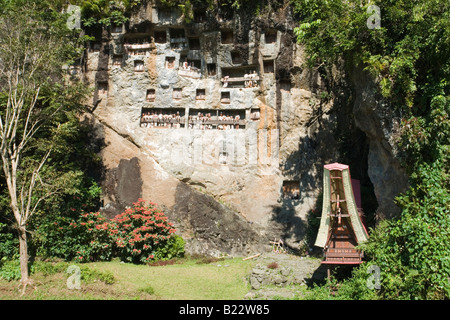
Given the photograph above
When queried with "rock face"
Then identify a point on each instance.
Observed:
(281, 276)
(241, 159)
(379, 122)
(124, 186)
(277, 275)
(214, 229)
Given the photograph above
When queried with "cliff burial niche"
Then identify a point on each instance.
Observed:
(214, 120)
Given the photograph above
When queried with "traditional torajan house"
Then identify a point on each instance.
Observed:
(341, 226)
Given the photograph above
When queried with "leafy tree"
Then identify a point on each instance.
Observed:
(35, 101)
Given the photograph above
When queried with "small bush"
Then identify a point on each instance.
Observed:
(9, 243)
(10, 270)
(48, 268)
(147, 289)
(173, 248)
(89, 275)
(272, 265)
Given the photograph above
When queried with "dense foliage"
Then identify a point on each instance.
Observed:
(107, 12)
(409, 58)
(38, 115)
(75, 236)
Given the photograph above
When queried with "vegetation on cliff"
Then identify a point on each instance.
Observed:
(107, 12)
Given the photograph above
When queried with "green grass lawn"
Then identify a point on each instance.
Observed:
(186, 279)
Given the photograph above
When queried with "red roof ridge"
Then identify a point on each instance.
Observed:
(336, 166)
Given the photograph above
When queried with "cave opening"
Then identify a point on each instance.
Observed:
(354, 150)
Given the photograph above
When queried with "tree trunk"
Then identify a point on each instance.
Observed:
(23, 254)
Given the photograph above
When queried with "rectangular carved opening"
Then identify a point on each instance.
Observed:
(194, 43)
(291, 190)
(163, 118)
(177, 33)
(226, 36)
(212, 69)
(200, 94)
(196, 64)
(151, 94)
(138, 66)
(255, 114)
(240, 77)
(269, 66)
(170, 62)
(205, 119)
(225, 97)
(223, 157)
(116, 28)
(117, 60)
(178, 40)
(285, 85)
(102, 88)
(270, 36)
(236, 57)
(177, 93)
(160, 36)
(94, 46)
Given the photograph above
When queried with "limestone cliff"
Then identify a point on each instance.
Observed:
(219, 122)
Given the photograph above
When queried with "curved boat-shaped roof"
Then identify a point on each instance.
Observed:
(345, 184)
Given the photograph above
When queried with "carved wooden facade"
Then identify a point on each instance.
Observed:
(341, 228)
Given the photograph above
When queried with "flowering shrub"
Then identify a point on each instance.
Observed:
(143, 234)
(140, 234)
(97, 244)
